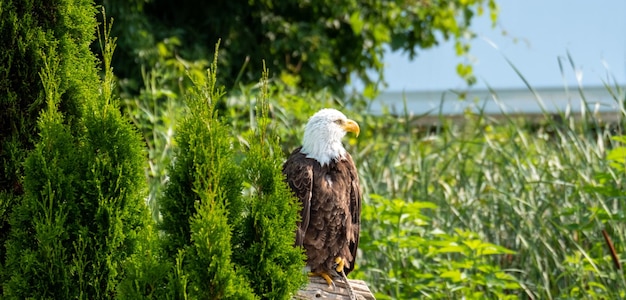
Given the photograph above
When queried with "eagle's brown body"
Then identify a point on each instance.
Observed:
(331, 207)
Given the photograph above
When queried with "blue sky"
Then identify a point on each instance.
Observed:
(538, 33)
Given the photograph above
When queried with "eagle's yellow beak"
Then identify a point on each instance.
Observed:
(351, 126)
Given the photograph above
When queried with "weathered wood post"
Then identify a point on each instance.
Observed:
(319, 289)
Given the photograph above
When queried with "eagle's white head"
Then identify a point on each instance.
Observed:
(323, 134)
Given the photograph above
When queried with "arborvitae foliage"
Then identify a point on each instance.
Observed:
(83, 209)
(204, 190)
(216, 242)
(31, 30)
(274, 266)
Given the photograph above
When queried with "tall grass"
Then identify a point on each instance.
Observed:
(545, 192)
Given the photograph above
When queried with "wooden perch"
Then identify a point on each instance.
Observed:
(319, 289)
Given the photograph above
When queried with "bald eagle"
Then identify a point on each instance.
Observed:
(322, 175)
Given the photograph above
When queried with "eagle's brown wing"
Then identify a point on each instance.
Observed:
(355, 211)
(299, 174)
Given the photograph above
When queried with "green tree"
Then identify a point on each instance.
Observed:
(32, 30)
(267, 234)
(203, 192)
(83, 210)
(313, 44)
(222, 243)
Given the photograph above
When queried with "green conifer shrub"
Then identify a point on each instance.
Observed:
(222, 243)
(204, 190)
(31, 30)
(275, 267)
(83, 210)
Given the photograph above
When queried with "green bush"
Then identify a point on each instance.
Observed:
(265, 246)
(203, 191)
(83, 210)
(226, 245)
(32, 32)
(423, 260)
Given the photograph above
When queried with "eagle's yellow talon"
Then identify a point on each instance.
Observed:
(340, 264)
(325, 276)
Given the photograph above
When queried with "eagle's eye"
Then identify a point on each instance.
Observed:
(339, 122)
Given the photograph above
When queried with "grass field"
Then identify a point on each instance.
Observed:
(440, 200)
